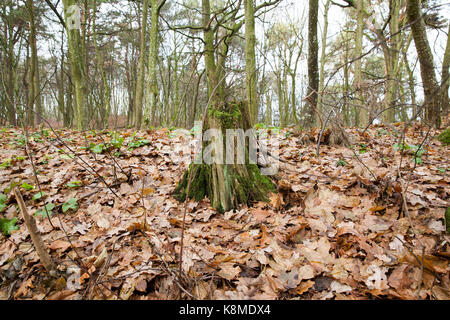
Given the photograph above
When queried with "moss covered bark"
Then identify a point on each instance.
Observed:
(226, 185)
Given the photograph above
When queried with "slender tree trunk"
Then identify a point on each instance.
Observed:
(153, 58)
(76, 54)
(281, 106)
(410, 73)
(36, 96)
(226, 183)
(323, 61)
(358, 72)
(106, 102)
(313, 68)
(430, 86)
(269, 108)
(445, 82)
(250, 59)
(139, 96)
(346, 105)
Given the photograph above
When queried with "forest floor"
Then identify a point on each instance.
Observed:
(360, 222)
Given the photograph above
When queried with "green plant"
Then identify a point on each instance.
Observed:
(444, 137)
(72, 203)
(74, 184)
(21, 140)
(47, 209)
(417, 151)
(116, 142)
(27, 186)
(97, 148)
(382, 132)
(8, 225)
(2, 202)
(341, 163)
(362, 148)
(7, 163)
(137, 143)
(38, 195)
(67, 156)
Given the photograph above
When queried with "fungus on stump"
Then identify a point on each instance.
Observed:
(226, 183)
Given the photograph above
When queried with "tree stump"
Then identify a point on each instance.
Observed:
(226, 169)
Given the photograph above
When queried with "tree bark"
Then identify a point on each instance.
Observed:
(139, 96)
(445, 82)
(359, 111)
(427, 72)
(226, 185)
(76, 55)
(250, 59)
(225, 178)
(313, 67)
(323, 60)
(35, 95)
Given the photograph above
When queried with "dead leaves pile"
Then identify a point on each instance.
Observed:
(337, 228)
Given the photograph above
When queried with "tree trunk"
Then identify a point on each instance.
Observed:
(76, 55)
(106, 99)
(226, 183)
(152, 62)
(250, 59)
(445, 82)
(359, 111)
(430, 87)
(225, 172)
(313, 67)
(322, 61)
(139, 96)
(35, 95)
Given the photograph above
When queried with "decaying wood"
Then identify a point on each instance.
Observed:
(39, 245)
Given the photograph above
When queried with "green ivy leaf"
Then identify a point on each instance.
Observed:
(341, 163)
(43, 213)
(27, 186)
(98, 148)
(7, 226)
(2, 198)
(67, 156)
(38, 195)
(74, 184)
(72, 203)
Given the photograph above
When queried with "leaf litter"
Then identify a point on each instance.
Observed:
(336, 229)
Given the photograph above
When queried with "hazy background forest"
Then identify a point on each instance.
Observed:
(140, 63)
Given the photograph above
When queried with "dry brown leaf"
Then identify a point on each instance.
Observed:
(229, 271)
(60, 244)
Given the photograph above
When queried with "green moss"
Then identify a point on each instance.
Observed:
(200, 183)
(228, 114)
(244, 183)
(444, 137)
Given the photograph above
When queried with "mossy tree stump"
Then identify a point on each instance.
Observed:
(226, 183)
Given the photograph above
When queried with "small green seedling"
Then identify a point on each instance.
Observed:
(71, 204)
(8, 225)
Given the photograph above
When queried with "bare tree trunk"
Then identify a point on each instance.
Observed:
(139, 96)
(322, 61)
(313, 67)
(76, 55)
(445, 83)
(430, 86)
(360, 118)
(35, 90)
(250, 59)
